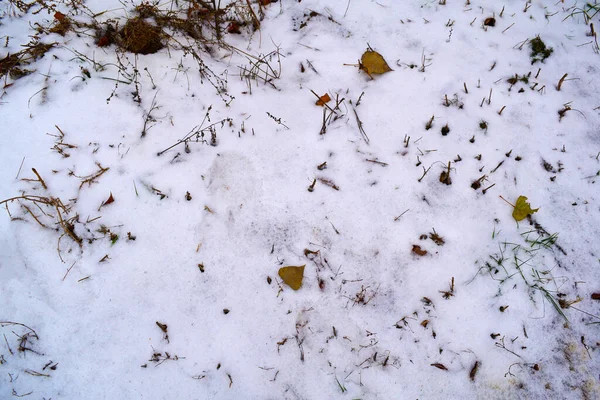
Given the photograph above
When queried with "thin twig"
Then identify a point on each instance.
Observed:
(68, 270)
(19, 171)
(360, 127)
(255, 21)
(400, 216)
(2, 323)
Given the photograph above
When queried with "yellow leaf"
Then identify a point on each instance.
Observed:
(373, 63)
(292, 276)
(522, 209)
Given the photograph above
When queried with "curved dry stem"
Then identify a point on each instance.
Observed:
(2, 323)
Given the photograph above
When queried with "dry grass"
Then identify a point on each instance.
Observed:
(14, 65)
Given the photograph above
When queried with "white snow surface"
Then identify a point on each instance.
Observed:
(371, 319)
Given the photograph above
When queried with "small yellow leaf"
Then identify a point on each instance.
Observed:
(373, 63)
(522, 209)
(292, 276)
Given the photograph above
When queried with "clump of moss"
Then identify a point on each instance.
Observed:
(539, 51)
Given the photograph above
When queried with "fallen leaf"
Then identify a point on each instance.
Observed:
(595, 296)
(491, 21)
(59, 16)
(436, 238)
(440, 366)
(522, 209)
(106, 202)
(373, 63)
(103, 41)
(418, 250)
(323, 99)
(233, 27)
(292, 276)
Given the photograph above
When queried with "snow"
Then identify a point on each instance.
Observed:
(371, 318)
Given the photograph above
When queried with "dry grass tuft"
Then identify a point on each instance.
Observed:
(140, 37)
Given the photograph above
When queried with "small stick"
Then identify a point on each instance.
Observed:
(510, 26)
(359, 98)
(383, 164)
(68, 270)
(465, 85)
(19, 171)
(502, 109)
(2, 323)
(329, 183)
(488, 188)
(490, 98)
(324, 125)
(33, 215)
(560, 82)
(62, 134)
(40, 178)
(360, 127)
(255, 21)
(497, 166)
(425, 171)
(8, 346)
(312, 66)
(35, 373)
(333, 226)
(538, 73)
(429, 123)
(67, 230)
(325, 104)
(509, 203)
(399, 216)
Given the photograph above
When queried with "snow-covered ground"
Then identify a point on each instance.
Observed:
(127, 271)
